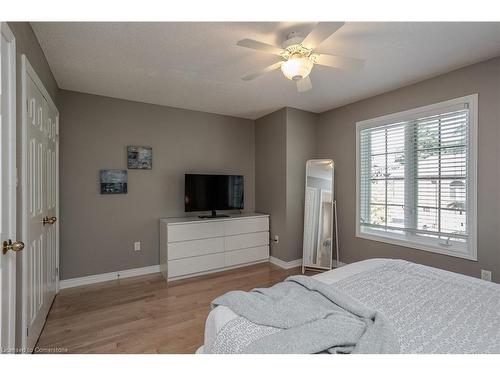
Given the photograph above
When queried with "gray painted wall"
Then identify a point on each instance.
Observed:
(336, 140)
(301, 136)
(270, 176)
(98, 231)
(284, 141)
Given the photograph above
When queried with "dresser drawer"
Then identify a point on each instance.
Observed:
(252, 254)
(257, 224)
(242, 241)
(186, 249)
(187, 266)
(183, 232)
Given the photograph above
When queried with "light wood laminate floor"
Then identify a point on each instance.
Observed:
(145, 314)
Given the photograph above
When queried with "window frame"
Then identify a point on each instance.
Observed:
(470, 251)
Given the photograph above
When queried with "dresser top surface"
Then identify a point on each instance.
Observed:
(196, 219)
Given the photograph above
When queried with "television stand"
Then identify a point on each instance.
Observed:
(213, 216)
(190, 246)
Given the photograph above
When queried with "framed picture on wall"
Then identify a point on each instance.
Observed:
(113, 181)
(139, 157)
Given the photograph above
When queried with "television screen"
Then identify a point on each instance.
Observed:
(205, 192)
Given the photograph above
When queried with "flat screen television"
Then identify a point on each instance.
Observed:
(210, 192)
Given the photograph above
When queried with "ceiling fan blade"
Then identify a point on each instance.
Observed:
(260, 46)
(320, 33)
(254, 75)
(304, 84)
(340, 62)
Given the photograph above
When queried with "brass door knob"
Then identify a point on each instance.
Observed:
(49, 220)
(8, 245)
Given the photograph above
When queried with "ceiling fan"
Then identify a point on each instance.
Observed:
(298, 55)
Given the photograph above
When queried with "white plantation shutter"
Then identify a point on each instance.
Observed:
(414, 179)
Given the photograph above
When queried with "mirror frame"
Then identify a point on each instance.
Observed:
(305, 263)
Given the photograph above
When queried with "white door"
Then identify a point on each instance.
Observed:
(39, 206)
(310, 225)
(8, 191)
(324, 258)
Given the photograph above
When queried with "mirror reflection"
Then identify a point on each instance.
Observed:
(318, 214)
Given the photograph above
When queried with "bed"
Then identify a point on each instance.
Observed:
(430, 310)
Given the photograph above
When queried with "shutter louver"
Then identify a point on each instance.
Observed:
(413, 177)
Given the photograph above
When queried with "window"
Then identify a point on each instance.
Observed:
(416, 178)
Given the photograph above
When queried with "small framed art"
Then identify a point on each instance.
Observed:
(113, 181)
(139, 157)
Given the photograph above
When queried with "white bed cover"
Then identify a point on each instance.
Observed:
(219, 316)
(431, 310)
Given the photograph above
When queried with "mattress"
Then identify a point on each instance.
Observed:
(432, 311)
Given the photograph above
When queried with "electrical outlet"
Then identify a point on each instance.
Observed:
(486, 275)
(276, 238)
(137, 246)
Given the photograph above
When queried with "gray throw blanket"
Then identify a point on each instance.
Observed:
(310, 317)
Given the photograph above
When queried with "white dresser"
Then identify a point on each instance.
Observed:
(190, 246)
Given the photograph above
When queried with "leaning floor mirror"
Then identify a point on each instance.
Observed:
(320, 250)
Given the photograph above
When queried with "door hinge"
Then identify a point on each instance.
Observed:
(27, 331)
(57, 271)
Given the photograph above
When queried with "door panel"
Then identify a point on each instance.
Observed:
(41, 193)
(51, 184)
(36, 232)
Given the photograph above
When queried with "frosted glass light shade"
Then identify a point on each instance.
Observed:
(297, 68)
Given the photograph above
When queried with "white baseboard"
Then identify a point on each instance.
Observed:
(286, 265)
(86, 280)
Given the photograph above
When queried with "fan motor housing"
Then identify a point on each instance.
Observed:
(292, 38)
(293, 48)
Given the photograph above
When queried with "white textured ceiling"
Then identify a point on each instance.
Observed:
(198, 65)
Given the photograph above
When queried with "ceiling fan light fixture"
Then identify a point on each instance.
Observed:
(298, 55)
(296, 68)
